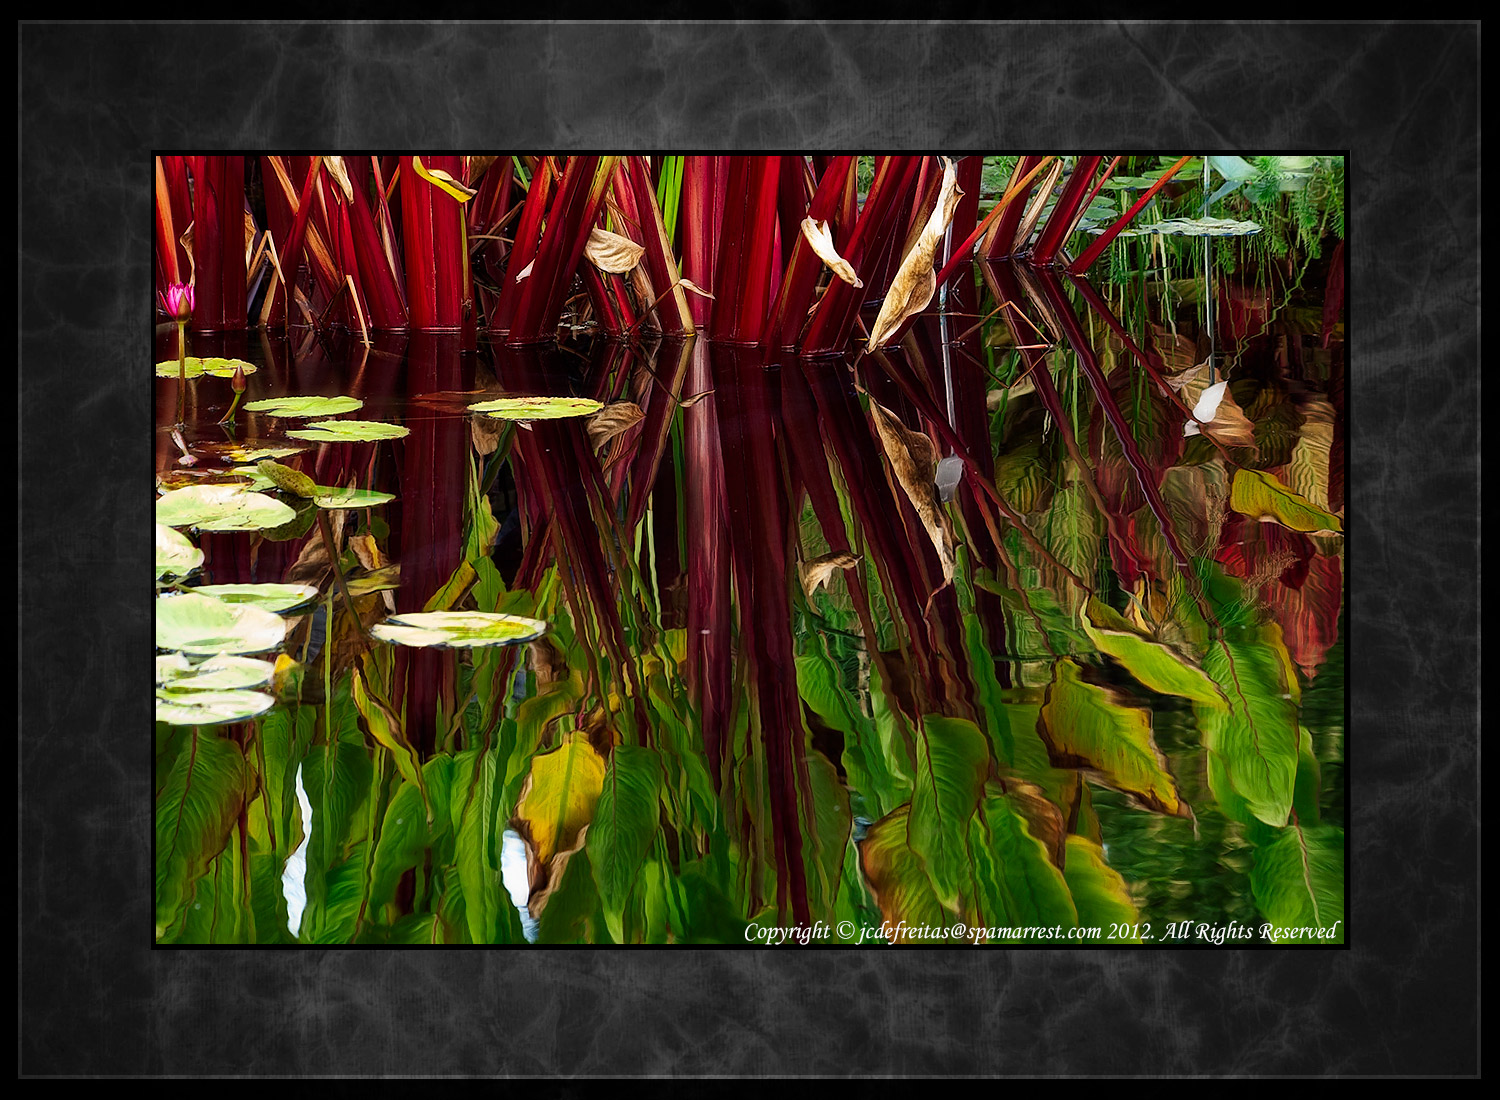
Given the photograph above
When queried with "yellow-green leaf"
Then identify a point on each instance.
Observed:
(1150, 662)
(442, 180)
(559, 797)
(1089, 727)
(1262, 496)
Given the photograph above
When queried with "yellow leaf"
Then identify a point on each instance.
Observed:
(558, 799)
(442, 180)
(1261, 496)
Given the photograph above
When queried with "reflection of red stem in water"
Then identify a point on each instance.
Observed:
(435, 454)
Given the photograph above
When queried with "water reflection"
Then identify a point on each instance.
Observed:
(804, 613)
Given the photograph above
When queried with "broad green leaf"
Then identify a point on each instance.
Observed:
(458, 629)
(290, 407)
(349, 431)
(220, 911)
(176, 556)
(1099, 893)
(818, 683)
(474, 807)
(1090, 727)
(1298, 882)
(387, 729)
(1252, 742)
(221, 508)
(1262, 496)
(569, 910)
(195, 811)
(201, 624)
(1017, 884)
(559, 797)
(409, 829)
(952, 760)
(827, 835)
(625, 822)
(537, 408)
(287, 478)
(209, 708)
(896, 875)
(268, 597)
(1150, 662)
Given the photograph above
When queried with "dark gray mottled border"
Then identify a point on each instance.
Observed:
(95, 100)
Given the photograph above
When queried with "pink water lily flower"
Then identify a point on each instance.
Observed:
(178, 301)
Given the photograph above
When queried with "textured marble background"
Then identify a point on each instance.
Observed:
(97, 100)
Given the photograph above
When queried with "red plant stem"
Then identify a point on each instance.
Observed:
(378, 282)
(1084, 262)
(803, 267)
(291, 256)
(166, 235)
(523, 252)
(1065, 212)
(704, 183)
(433, 230)
(219, 244)
(1007, 202)
(833, 320)
(675, 318)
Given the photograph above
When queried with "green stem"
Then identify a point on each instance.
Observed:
(181, 372)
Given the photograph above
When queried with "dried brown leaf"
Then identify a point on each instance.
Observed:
(913, 459)
(915, 280)
(340, 174)
(611, 252)
(815, 573)
(610, 421)
(821, 240)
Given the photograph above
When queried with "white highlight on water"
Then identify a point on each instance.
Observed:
(293, 878)
(513, 875)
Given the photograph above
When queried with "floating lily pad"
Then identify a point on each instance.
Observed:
(248, 450)
(210, 708)
(268, 597)
(222, 672)
(176, 556)
(220, 508)
(329, 497)
(537, 408)
(305, 406)
(217, 368)
(458, 629)
(1193, 227)
(349, 431)
(190, 623)
(182, 478)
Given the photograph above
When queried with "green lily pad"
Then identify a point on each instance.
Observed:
(537, 408)
(268, 597)
(248, 450)
(349, 431)
(305, 406)
(458, 629)
(1194, 227)
(330, 497)
(176, 556)
(220, 508)
(190, 623)
(221, 672)
(210, 708)
(218, 368)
